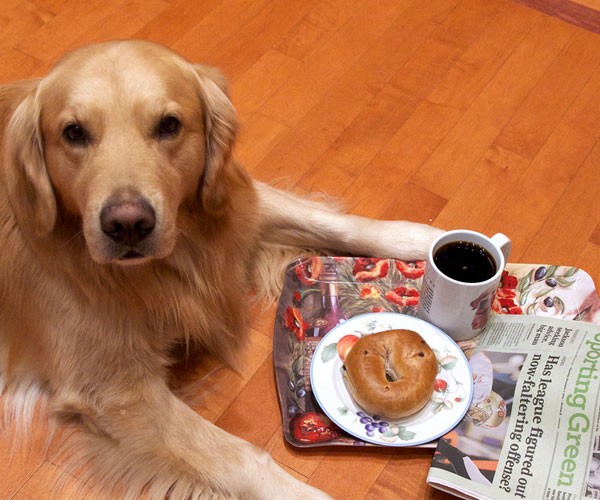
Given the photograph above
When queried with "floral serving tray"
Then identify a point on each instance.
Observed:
(321, 292)
(449, 402)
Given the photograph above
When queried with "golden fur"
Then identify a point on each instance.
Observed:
(130, 135)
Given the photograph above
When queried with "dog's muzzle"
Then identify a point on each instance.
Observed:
(128, 224)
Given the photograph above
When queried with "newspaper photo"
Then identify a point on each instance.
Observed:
(532, 430)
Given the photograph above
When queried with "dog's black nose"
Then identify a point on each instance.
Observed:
(128, 222)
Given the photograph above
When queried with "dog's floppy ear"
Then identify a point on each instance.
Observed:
(220, 124)
(30, 191)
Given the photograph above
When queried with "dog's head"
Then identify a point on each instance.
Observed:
(120, 136)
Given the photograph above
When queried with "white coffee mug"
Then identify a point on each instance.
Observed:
(460, 308)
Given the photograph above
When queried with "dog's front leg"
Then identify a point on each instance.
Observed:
(288, 219)
(152, 441)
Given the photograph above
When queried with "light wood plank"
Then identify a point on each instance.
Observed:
(313, 135)
(179, 18)
(592, 4)
(255, 86)
(18, 22)
(443, 103)
(318, 25)
(354, 475)
(524, 210)
(574, 228)
(257, 137)
(61, 33)
(252, 416)
(332, 60)
(219, 24)
(589, 260)
(303, 460)
(18, 66)
(248, 44)
(467, 142)
(476, 200)
(534, 121)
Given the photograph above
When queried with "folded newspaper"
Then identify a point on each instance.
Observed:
(533, 428)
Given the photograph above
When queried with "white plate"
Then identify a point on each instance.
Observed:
(449, 402)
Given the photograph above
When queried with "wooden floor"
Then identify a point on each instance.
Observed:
(482, 114)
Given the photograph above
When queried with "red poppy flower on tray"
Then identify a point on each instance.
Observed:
(508, 282)
(369, 292)
(309, 270)
(506, 296)
(367, 269)
(506, 305)
(403, 296)
(293, 322)
(411, 270)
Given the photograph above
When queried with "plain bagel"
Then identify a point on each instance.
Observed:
(391, 373)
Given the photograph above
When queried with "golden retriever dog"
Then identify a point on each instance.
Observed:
(130, 236)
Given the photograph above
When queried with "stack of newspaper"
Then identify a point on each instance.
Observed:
(533, 429)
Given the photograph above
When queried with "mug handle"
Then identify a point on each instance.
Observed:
(503, 243)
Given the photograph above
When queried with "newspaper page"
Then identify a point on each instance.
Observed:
(532, 430)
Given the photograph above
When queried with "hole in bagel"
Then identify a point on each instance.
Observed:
(390, 373)
(421, 354)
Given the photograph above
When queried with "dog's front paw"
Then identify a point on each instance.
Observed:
(291, 488)
(262, 478)
(402, 240)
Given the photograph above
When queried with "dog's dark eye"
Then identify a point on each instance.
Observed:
(169, 126)
(75, 134)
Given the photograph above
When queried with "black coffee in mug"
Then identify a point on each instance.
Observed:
(465, 261)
